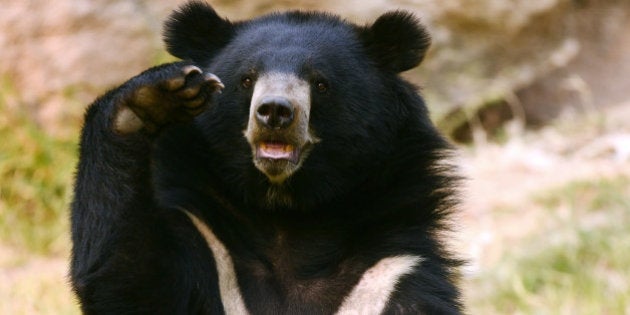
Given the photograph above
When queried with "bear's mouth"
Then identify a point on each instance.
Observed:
(277, 150)
(279, 158)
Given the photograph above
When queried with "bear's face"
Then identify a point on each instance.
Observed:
(290, 74)
(302, 86)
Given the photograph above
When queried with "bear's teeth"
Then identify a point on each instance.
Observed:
(276, 151)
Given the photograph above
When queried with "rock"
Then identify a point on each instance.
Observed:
(58, 55)
(597, 76)
(535, 57)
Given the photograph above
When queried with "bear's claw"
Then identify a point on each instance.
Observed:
(191, 69)
(214, 82)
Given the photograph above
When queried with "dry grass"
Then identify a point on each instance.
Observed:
(36, 172)
(571, 264)
(34, 284)
(546, 217)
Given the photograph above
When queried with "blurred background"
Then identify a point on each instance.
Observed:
(535, 93)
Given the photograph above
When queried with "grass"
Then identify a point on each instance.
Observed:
(35, 285)
(37, 172)
(580, 264)
(35, 191)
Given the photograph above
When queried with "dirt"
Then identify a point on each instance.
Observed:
(504, 181)
(34, 284)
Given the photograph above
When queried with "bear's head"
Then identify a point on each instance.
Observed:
(313, 99)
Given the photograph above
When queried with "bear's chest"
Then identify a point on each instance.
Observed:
(289, 279)
(293, 281)
(277, 290)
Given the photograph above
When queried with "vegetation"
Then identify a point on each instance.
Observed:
(577, 265)
(35, 191)
(36, 171)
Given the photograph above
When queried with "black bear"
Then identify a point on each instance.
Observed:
(283, 167)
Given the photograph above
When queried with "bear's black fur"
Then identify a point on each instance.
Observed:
(373, 186)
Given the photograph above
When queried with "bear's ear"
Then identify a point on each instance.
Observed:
(396, 41)
(196, 32)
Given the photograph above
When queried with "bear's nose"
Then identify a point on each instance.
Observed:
(275, 112)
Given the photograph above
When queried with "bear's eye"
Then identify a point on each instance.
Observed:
(321, 87)
(247, 82)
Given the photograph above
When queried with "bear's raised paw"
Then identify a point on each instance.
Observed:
(163, 95)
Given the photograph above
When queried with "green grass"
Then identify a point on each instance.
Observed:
(579, 265)
(35, 191)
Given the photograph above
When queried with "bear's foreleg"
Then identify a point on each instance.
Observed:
(122, 249)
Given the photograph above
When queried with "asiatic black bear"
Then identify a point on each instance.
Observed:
(283, 168)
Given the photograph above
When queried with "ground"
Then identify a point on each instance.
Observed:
(544, 214)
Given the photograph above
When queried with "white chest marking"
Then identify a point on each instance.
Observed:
(228, 285)
(371, 294)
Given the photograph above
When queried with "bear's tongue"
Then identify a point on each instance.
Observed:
(277, 151)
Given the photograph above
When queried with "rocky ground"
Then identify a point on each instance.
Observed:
(501, 175)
